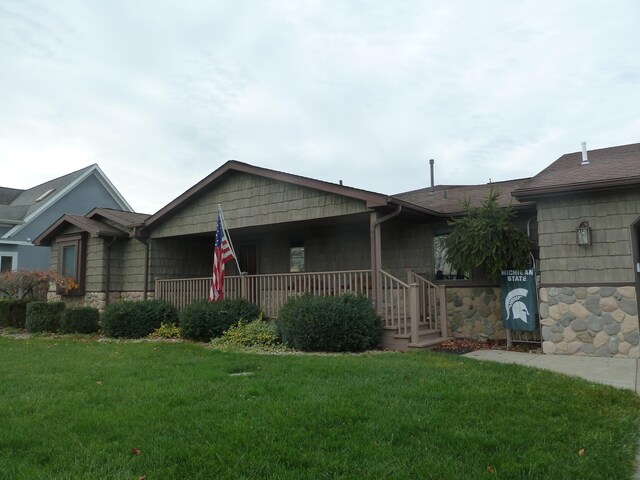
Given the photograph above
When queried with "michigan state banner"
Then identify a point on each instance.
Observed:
(519, 299)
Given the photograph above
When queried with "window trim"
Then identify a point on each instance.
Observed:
(77, 240)
(14, 261)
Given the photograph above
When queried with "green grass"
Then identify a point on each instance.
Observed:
(77, 409)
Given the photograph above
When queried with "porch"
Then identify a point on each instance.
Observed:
(413, 312)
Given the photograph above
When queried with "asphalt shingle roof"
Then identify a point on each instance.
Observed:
(447, 199)
(607, 167)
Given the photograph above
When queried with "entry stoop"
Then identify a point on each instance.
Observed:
(427, 339)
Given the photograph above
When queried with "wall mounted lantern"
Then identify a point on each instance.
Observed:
(583, 234)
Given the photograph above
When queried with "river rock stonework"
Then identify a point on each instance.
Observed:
(475, 313)
(592, 321)
(97, 299)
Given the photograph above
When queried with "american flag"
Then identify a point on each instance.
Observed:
(221, 254)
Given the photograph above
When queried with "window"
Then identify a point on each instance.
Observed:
(71, 262)
(442, 269)
(8, 262)
(296, 256)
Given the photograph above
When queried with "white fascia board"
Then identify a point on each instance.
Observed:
(112, 189)
(16, 242)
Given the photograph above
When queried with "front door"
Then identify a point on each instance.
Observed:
(248, 258)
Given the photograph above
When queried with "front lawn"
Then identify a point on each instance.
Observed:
(125, 410)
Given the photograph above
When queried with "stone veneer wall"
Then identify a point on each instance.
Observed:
(475, 312)
(593, 321)
(97, 299)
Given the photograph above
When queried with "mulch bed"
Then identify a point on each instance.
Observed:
(460, 346)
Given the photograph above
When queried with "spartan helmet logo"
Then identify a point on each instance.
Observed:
(513, 304)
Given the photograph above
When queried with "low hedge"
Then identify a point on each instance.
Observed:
(204, 320)
(44, 316)
(80, 320)
(347, 323)
(136, 319)
(13, 313)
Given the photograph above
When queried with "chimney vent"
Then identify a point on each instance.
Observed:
(431, 162)
(585, 158)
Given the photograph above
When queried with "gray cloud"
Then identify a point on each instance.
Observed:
(162, 94)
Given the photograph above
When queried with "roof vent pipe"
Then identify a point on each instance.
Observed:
(431, 169)
(585, 158)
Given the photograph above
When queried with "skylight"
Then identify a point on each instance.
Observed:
(45, 194)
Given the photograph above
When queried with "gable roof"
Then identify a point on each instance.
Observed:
(371, 199)
(8, 195)
(122, 224)
(607, 168)
(447, 200)
(29, 204)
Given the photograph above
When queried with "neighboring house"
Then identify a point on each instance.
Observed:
(25, 214)
(588, 208)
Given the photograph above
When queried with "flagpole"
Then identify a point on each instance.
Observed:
(224, 226)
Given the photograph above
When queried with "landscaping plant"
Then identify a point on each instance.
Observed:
(13, 313)
(44, 316)
(136, 319)
(347, 323)
(204, 320)
(485, 238)
(80, 320)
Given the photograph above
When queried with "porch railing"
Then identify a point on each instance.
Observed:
(406, 308)
(270, 291)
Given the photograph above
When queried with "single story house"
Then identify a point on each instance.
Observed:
(294, 234)
(25, 214)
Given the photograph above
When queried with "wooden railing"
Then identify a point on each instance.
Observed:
(432, 304)
(394, 295)
(271, 291)
(404, 307)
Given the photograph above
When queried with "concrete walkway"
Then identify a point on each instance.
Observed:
(618, 372)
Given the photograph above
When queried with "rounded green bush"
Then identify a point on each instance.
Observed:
(44, 316)
(137, 319)
(204, 320)
(13, 313)
(347, 323)
(80, 320)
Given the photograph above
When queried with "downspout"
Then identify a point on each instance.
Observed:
(376, 255)
(107, 287)
(145, 283)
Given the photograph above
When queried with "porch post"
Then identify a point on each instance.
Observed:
(415, 312)
(375, 265)
(442, 294)
(243, 285)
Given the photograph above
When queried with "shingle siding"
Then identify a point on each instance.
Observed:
(609, 258)
(249, 200)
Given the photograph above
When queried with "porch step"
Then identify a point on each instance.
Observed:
(428, 343)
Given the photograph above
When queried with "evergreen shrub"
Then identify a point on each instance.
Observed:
(80, 320)
(347, 323)
(204, 320)
(44, 316)
(13, 313)
(137, 319)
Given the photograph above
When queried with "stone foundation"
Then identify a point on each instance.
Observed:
(593, 321)
(475, 312)
(97, 299)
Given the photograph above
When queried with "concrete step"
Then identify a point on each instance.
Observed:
(427, 343)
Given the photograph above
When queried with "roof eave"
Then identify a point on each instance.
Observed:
(371, 199)
(532, 194)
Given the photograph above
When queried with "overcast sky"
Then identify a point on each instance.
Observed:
(161, 93)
